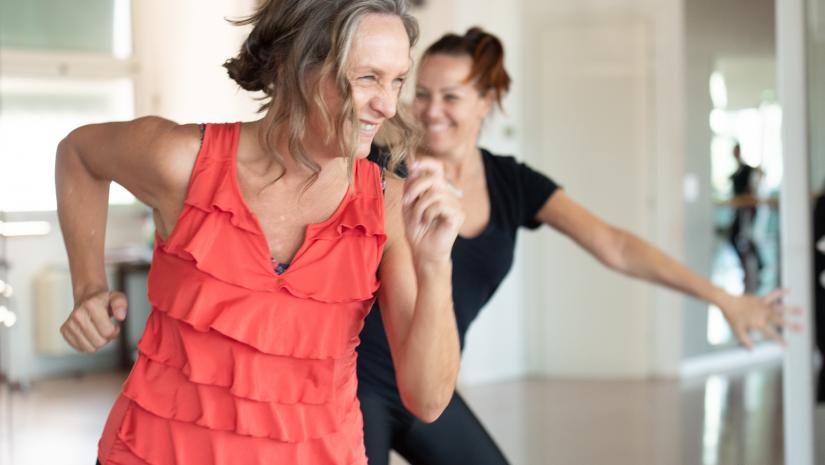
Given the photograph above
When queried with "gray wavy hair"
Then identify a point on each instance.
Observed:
(291, 41)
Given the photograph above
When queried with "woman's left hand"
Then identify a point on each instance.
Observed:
(432, 212)
(766, 314)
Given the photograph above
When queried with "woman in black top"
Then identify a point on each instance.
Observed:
(460, 78)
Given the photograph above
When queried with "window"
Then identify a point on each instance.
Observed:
(64, 64)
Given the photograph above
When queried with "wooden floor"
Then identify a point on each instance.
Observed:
(721, 420)
(734, 419)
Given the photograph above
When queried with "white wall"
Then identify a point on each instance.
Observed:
(668, 160)
(181, 46)
(598, 70)
(594, 120)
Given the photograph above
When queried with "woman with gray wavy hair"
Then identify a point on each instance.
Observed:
(272, 238)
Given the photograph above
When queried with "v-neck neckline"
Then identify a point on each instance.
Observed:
(489, 226)
(264, 241)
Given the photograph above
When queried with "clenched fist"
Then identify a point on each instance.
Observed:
(90, 326)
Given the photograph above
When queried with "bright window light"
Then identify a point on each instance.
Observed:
(718, 91)
(36, 114)
(716, 392)
(122, 30)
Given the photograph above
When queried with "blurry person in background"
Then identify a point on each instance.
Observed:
(461, 78)
(744, 182)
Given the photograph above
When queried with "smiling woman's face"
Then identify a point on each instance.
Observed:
(379, 60)
(450, 109)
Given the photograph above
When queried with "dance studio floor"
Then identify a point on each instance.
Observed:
(719, 420)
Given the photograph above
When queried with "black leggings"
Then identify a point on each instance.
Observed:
(456, 437)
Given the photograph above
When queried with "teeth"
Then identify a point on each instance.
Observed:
(368, 127)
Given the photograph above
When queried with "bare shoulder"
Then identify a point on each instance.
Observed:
(171, 152)
(171, 147)
(177, 151)
(151, 156)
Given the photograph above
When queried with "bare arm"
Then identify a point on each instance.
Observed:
(628, 254)
(149, 157)
(416, 294)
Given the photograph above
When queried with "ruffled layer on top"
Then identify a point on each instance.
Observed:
(206, 358)
(276, 323)
(145, 439)
(356, 248)
(165, 392)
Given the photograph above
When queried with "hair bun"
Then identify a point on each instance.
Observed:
(487, 54)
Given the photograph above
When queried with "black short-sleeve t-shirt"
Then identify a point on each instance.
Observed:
(742, 180)
(480, 264)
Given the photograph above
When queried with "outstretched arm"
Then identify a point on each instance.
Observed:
(628, 254)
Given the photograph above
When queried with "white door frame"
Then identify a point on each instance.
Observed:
(795, 216)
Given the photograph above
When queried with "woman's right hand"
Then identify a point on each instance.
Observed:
(89, 326)
(432, 212)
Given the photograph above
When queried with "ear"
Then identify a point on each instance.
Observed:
(487, 101)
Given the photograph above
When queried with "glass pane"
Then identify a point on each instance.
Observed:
(102, 26)
(746, 173)
(34, 116)
(731, 219)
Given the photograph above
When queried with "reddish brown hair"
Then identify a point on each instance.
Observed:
(487, 53)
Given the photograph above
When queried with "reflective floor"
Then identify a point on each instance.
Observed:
(730, 419)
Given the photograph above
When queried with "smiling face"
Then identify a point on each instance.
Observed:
(450, 109)
(379, 60)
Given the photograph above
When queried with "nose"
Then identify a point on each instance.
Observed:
(432, 108)
(385, 102)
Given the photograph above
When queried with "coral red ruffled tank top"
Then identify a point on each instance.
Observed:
(239, 365)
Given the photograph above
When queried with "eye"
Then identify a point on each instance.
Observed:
(368, 78)
(398, 82)
(450, 97)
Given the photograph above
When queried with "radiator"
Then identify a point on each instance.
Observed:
(53, 302)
